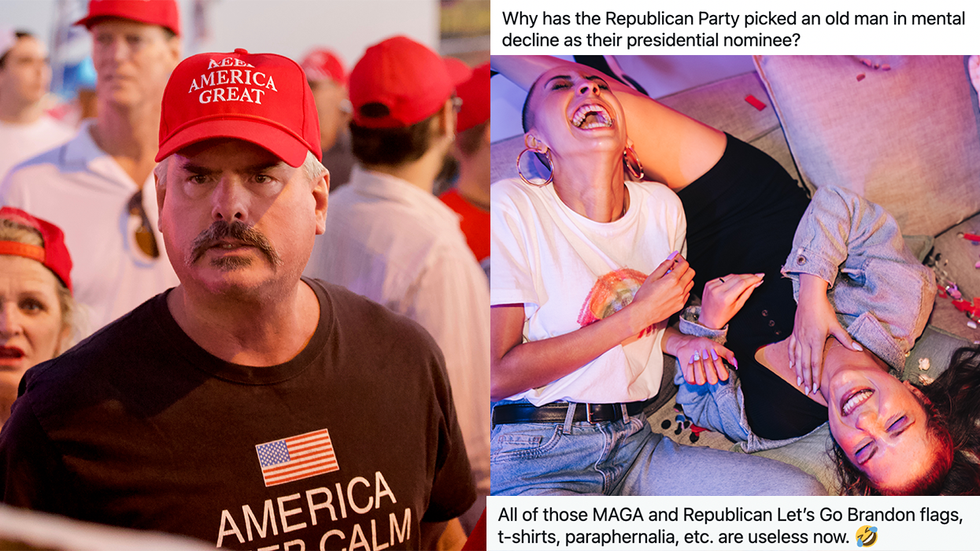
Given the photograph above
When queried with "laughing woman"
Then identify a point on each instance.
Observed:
(588, 262)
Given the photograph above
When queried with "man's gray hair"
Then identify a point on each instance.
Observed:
(311, 166)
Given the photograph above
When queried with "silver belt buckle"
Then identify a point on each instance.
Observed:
(588, 413)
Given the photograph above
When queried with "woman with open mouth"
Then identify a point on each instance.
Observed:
(36, 303)
(748, 224)
(590, 261)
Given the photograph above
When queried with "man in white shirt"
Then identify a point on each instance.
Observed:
(98, 187)
(25, 129)
(390, 239)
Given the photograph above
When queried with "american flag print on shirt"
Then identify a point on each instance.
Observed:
(296, 457)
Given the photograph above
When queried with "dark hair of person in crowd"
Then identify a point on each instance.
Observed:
(389, 146)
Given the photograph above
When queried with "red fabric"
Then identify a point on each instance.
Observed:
(475, 223)
(259, 98)
(475, 94)
(54, 255)
(408, 78)
(152, 12)
(478, 538)
(323, 64)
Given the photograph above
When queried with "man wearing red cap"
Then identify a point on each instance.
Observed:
(390, 239)
(98, 186)
(470, 198)
(328, 80)
(25, 76)
(248, 406)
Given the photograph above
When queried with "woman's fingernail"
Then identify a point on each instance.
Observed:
(858, 347)
(799, 381)
(673, 254)
(697, 356)
(756, 285)
(714, 355)
(735, 363)
(760, 275)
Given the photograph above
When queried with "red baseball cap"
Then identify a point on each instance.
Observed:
(409, 79)
(323, 64)
(54, 254)
(475, 94)
(152, 12)
(259, 98)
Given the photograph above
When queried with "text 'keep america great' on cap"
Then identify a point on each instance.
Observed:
(260, 98)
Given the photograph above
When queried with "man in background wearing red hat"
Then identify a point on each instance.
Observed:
(98, 187)
(470, 198)
(390, 239)
(328, 80)
(25, 77)
(246, 407)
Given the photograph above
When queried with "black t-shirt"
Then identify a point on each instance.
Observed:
(350, 444)
(741, 218)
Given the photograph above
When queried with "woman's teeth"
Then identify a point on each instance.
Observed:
(591, 116)
(856, 400)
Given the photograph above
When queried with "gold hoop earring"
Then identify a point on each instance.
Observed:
(636, 172)
(551, 165)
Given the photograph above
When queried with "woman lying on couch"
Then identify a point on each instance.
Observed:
(891, 437)
(742, 214)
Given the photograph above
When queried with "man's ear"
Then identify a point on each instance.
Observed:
(447, 119)
(161, 192)
(321, 196)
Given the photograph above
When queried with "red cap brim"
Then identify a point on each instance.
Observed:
(274, 137)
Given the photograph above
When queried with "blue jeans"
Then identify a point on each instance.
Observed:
(627, 458)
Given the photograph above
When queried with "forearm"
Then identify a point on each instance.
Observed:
(533, 364)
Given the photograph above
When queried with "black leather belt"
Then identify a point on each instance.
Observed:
(505, 414)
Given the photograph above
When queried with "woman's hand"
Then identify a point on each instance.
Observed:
(725, 296)
(700, 359)
(663, 293)
(815, 320)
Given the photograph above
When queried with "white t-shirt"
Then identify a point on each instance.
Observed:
(19, 142)
(569, 271)
(82, 189)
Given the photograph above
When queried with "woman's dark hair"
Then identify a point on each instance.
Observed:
(952, 404)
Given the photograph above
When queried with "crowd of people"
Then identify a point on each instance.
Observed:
(235, 340)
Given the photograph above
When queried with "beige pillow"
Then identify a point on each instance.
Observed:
(899, 130)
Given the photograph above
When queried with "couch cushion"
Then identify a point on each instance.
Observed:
(903, 135)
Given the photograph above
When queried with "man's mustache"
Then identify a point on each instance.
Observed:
(237, 231)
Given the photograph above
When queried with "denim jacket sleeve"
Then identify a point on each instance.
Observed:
(882, 295)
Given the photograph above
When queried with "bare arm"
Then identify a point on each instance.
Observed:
(674, 148)
(516, 366)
